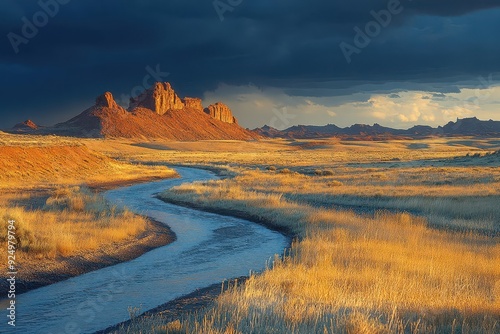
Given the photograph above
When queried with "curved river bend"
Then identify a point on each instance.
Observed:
(209, 248)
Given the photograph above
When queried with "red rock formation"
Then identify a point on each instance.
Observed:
(160, 98)
(193, 103)
(106, 100)
(220, 112)
(94, 121)
(157, 113)
(26, 125)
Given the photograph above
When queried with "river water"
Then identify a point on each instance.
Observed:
(209, 248)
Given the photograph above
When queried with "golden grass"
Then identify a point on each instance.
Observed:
(73, 220)
(294, 153)
(354, 168)
(346, 273)
(251, 186)
(396, 181)
(74, 230)
(350, 273)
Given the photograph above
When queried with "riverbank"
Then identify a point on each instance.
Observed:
(376, 265)
(109, 185)
(35, 273)
(70, 238)
(174, 310)
(288, 231)
(209, 249)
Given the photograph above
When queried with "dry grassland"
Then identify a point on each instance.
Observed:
(368, 257)
(43, 187)
(376, 272)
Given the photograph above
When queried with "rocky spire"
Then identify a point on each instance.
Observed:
(106, 100)
(160, 98)
(221, 112)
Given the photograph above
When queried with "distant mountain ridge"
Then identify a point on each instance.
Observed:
(156, 113)
(160, 113)
(462, 127)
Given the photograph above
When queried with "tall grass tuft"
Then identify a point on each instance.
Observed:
(73, 219)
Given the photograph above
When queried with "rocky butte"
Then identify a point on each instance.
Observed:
(160, 98)
(156, 113)
(193, 103)
(221, 112)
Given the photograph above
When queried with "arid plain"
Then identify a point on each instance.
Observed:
(389, 236)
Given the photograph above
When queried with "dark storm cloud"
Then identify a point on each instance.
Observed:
(92, 46)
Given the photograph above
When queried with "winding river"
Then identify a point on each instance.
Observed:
(209, 248)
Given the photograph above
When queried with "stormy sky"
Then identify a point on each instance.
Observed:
(281, 62)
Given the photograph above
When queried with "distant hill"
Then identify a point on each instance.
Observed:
(157, 113)
(472, 126)
(26, 126)
(462, 127)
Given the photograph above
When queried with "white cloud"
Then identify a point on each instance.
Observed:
(410, 107)
(331, 113)
(254, 107)
(457, 112)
